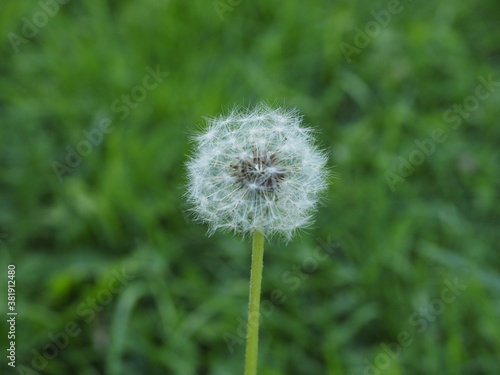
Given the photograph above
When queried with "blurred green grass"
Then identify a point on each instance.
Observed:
(122, 206)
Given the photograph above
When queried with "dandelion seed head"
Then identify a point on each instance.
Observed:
(256, 170)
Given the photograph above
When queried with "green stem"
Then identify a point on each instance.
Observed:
(254, 304)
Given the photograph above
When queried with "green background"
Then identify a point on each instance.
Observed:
(393, 245)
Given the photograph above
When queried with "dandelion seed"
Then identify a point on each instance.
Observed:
(256, 170)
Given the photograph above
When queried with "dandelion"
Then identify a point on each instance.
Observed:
(256, 172)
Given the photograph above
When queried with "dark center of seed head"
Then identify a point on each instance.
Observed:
(260, 173)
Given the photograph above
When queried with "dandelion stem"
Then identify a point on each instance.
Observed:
(254, 304)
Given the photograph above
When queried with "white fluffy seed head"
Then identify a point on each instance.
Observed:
(256, 170)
